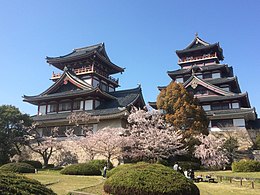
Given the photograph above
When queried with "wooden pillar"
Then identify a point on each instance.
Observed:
(57, 109)
(38, 108)
(46, 109)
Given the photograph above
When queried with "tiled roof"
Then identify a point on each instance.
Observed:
(197, 48)
(222, 98)
(67, 94)
(123, 98)
(199, 44)
(202, 69)
(85, 52)
(80, 51)
(248, 113)
(221, 80)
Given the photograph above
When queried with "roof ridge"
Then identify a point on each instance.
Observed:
(96, 45)
(125, 90)
(197, 40)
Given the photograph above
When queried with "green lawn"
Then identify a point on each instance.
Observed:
(94, 184)
(230, 174)
(225, 189)
(65, 183)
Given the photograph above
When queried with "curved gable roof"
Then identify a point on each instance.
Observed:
(97, 50)
(65, 77)
(193, 81)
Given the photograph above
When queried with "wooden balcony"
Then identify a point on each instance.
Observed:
(197, 58)
(86, 70)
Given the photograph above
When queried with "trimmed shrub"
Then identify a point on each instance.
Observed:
(246, 166)
(125, 167)
(36, 164)
(93, 167)
(118, 168)
(15, 184)
(81, 169)
(152, 179)
(18, 168)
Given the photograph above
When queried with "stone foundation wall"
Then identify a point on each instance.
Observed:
(241, 133)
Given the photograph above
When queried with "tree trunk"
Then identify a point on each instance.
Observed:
(108, 161)
(45, 161)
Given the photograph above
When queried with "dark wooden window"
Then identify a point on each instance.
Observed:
(220, 106)
(76, 105)
(65, 106)
(207, 75)
(52, 108)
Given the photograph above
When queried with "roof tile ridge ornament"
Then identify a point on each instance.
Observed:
(196, 37)
(65, 69)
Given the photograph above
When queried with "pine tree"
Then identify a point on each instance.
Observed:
(182, 110)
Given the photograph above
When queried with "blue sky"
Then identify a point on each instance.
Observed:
(140, 35)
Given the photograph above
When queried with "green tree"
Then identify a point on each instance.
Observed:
(257, 142)
(182, 110)
(231, 146)
(13, 126)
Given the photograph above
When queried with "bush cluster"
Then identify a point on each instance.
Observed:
(18, 168)
(15, 184)
(93, 167)
(246, 166)
(152, 179)
(36, 164)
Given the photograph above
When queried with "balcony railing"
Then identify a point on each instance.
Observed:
(84, 70)
(197, 58)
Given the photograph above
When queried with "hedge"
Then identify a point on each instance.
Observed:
(16, 184)
(93, 167)
(36, 164)
(246, 166)
(152, 179)
(18, 168)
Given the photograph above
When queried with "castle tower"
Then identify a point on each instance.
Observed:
(214, 84)
(85, 85)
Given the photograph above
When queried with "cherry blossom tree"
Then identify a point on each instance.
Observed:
(44, 146)
(107, 142)
(210, 151)
(81, 120)
(152, 137)
(88, 144)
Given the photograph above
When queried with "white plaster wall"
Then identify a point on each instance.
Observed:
(114, 123)
(240, 122)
